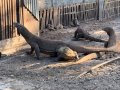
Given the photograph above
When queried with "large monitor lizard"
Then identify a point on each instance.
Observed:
(52, 47)
(80, 33)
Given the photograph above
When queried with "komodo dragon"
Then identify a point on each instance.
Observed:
(80, 33)
(53, 46)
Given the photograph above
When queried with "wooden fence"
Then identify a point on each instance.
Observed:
(111, 9)
(66, 14)
(9, 13)
(31, 6)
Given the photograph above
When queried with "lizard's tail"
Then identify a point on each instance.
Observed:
(112, 37)
(80, 33)
(112, 45)
(84, 49)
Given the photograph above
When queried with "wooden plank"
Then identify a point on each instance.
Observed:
(61, 15)
(81, 12)
(77, 12)
(40, 21)
(15, 19)
(0, 24)
(7, 20)
(43, 18)
(2, 18)
(47, 16)
(75, 16)
(51, 14)
(68, 11)
(46, 11)
(5, 8)
(84, 11)
(71, 9)
(67, 16)
(10, 14)
(58, 19)
(55, 13)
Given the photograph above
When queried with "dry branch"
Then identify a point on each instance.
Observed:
(99, 65)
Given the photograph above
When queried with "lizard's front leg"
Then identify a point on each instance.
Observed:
(37, 51)
(34, 46)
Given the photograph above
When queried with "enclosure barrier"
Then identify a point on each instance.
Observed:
(31, 6)
(66, 14)
(10, 11)
(111, 9)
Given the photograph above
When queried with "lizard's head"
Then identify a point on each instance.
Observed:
(67, 53)
(17, 25)
(22, 30)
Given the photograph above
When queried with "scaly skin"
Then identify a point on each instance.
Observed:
(80, 33)
(112, 37)
(52, 47)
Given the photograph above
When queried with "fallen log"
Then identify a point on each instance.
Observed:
(99, 65)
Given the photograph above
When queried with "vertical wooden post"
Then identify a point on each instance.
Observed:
(0, 25)
(18, 13)
(101, 9)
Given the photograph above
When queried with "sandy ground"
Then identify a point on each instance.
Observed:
(22, 72)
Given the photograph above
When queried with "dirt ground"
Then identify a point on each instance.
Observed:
(22, 72)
